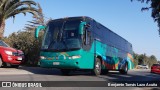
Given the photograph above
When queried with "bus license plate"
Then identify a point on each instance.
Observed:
(56, 63)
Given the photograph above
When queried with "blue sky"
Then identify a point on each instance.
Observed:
(121, 16)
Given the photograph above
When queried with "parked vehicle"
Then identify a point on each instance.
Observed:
(142, 67)
(10, 56)
(155, 68)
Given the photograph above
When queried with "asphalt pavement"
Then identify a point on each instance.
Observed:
(51, 76)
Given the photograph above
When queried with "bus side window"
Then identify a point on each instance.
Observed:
(88, 37)
(84, 37)
(87, 34)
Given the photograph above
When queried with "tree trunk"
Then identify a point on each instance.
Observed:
(2, 27)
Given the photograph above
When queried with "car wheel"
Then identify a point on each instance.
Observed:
(1, 62)
(97, 67)
(14, 66)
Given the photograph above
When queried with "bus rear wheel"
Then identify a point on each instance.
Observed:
(124, 70)
(104, 72)
(97, 67)
(65, 71)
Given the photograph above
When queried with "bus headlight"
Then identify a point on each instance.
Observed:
(75, 57)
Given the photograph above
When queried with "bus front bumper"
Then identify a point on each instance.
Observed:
(61, 64)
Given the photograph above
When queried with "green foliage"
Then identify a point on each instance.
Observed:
(10, 8)
(25, 41)
(135, 59)
(143, 59)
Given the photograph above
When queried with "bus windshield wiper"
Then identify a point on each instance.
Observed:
(61, 30)
(65, 44)
(52, 42)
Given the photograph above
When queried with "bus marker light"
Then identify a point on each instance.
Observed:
(76, 57)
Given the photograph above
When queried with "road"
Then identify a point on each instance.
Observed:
(43, 74)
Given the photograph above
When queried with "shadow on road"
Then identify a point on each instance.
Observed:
(42, 71)
(134, 77)
(115, 77)
(52, 71)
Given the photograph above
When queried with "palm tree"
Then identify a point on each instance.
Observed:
(10, 8)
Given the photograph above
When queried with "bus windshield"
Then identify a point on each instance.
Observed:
(62, 36)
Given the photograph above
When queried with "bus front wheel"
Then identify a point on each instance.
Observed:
(97, 67)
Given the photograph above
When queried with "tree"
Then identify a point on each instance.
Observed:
(37, 20)
(153, 60)
(155, 6)
(136, 56)
(25, 40)
(10, 8)
(144, 59)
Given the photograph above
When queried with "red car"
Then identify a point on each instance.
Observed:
(10, 56)
(155, 68)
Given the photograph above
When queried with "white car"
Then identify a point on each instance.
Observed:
(142, 67)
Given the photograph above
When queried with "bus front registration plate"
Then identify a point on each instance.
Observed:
(56, 63)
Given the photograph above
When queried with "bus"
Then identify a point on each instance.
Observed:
(81, 43)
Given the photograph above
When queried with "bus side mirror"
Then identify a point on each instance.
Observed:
(81, 27)
(38, 29)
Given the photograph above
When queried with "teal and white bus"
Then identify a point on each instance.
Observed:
(81, 43)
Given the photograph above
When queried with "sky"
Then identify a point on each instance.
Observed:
(121, 16)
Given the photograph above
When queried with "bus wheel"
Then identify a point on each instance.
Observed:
(65, 71)
(125, 70)
(104, 72)
(97, 67)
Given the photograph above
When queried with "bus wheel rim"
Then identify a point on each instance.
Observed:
(98, 67)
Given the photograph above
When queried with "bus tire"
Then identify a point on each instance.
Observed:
(65, 71)
(97, 67)
(104, 72)
(125, 69)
